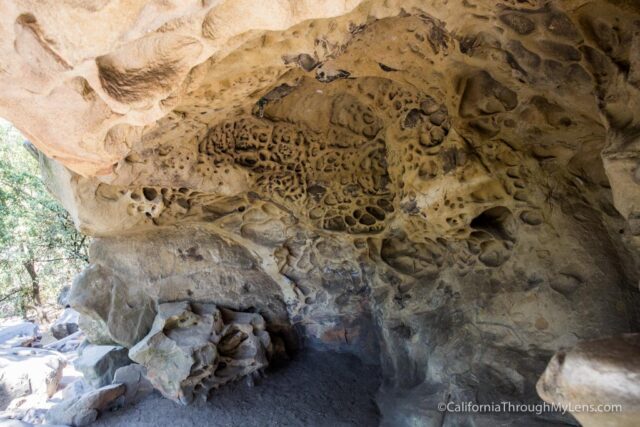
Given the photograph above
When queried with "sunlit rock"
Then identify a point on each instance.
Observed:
(25, 371)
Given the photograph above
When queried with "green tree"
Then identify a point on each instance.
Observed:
(40, 249)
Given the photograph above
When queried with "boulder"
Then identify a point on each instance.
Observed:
(111, 311)
(66, 324)
(33, 408)
(194, 348)
(99, 363)
(26, 371)
(19, 334)
(30, 408)
(135, 381)
(598, 380)
(75, 389)
(84, 410)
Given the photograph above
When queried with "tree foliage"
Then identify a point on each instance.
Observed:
(40, 249)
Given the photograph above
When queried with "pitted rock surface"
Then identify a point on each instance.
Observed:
(449, 188)
(195, 348)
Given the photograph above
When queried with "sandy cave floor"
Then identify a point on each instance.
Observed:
(314, 389)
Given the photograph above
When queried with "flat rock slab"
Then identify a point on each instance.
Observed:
(83, 410)
(314, 389)
(18, 423)
(21, 334)
(67, 344)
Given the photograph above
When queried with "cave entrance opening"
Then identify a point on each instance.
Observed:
(40, 249)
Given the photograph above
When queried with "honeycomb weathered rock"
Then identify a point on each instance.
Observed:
(192, 349)
(450, 188)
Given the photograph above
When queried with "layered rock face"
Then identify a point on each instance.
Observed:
(448, 188)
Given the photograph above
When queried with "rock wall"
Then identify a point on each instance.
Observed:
(448, 188)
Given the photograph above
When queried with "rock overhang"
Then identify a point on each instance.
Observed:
(404, 179)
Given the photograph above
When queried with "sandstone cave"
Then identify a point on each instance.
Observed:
(447, 191)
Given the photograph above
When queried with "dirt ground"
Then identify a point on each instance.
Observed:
(314, 389)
